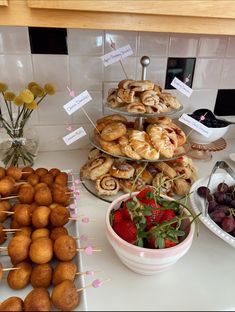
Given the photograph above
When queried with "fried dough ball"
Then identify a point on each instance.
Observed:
(57, 232)
(43, 196)
(12, 304)
(33, 179)
(6, 187)
(65, 248)
(18, 248)
(27, 170)
(2, 172)
(37, 300)
(64, 271)
(41, 275)
(39, 233)
(4, 206)
(61, 178)
(3, 236)
(40, 186)
(22, 214)
(61, 194)
(65, 297)
(47, 178)
(25, 231)
(59, 216)
(41, 171)
(26, 194)
(1, 271)
(14, 172)
(19, 279)
(33, 206)
(14, 224)
(41, 250)
(54, 171)
(41, 217)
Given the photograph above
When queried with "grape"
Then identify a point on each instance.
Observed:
(232, 204)
(223, 208)
(219, 197)
(212, 205)
(217, 216)
(228, 224)
(203, 191)
(222, 187)
(227, 199)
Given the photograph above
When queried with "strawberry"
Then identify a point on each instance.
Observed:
(117, 216)
(126, 229)
(154, 243)
(155, 216)
(167, 215)
(145, 193)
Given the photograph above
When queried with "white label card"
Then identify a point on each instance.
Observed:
(195, 125)
(182, 87)
(116, 55)
(74, 136)
(77, 102)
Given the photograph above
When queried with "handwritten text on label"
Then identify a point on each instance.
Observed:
(117, 55)
(74, 136)
(195, 125)
(182, 87)
(77, 102)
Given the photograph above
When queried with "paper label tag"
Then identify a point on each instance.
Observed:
(117, 55)
(195, 125)
(182, 87)
(77, 102)
(74, 136)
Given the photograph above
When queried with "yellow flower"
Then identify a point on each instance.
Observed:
(32, 84)
(27, 96)
(49, 89)
(37, 90)
(18, 101)
(31, 105)
(9, 96)
(3, 87)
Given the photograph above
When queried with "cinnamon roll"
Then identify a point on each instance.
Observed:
(122, 170)
(107, 185)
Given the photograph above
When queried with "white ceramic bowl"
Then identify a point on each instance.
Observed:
(216, 134)
(145, 261)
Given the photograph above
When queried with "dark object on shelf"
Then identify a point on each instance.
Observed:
(210, 121)
(224, 105)
(182, 68)
(45, 40)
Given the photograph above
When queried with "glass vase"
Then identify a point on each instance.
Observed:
(19, 146)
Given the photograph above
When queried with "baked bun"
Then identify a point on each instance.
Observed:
(136, 107)
(125, 83)
(122, 170)
(131, 185)
(149, 98)
(165, 169)
(113, 131)
(111, 147)
(141, 85)
(126, 149)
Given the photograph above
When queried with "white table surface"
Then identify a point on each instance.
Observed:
(203, 279)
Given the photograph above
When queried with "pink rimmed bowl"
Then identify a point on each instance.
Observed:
(146, 261)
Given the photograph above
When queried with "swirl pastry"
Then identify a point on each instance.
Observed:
(97, 167)
(149, 98)
(126, 148)
(125, 83)
(113, 131)
(122, 170)
(136, 107)
(125, 96)
(140, 143)
(141, 85)
(131, 185)
(107, 185)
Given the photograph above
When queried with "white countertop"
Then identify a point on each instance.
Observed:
(202, 280)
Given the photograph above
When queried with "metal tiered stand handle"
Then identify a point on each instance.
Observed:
(144, 61)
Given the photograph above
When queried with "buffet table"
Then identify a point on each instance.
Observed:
(202, 280)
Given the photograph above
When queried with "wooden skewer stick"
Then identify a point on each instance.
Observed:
(84, 249)
(9, 197)
(92, 284)
(11, 230)
(7, 212)
(87, 273)
(10, 269)
(3, 248)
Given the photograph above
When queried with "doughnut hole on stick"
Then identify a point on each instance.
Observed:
(19, 279)
(4, 206)
(24, 231)
(43, 196)
(41, 171)
(6, 187)
(41, 250)
(64, 271)
(33, 179)
(12, 304)
(62, 179)
(22, 214)
(59, 216)
(39, 233)
(37, 300)
(57, 232)
(41, 275)
(65, 248)
(41, 217)
(18, 249)
(47, 178)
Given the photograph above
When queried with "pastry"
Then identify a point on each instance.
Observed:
(157, 89)
(114, 117)
(122, 170)
(113, 131)
(169, 100)
(124, 84)
(112, 99)
(149, 98)
(142, 172)
(107, 185)
(163, 120)
(136, 107)
(97, 167)
(140, 143)
(94, 153)
(181, 136)
(111, 147)
(131, 185)
(164, 183)
(165, 169)
(181, 186)
(126, 148)
(125, 96)
(141, 85)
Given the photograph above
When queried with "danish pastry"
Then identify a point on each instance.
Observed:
(141, 85)
(111, 147)
(122, 170)
(131, 185)
(169, 100)
(114, 117)
(139, 141)
(149, 98)
(181, 186)
(112, 99)
(157, 89)
(125, 96)
(125, 83)
(113, 131)
(142, 172)
(181, 136)
(107, 185)
(165, 169)
(127, 149)
(136, 107)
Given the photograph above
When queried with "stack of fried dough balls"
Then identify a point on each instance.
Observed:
(41, 249)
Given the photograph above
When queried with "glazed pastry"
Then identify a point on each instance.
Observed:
(131, 185)
(122, 170)
(125, 83)
(181, 186)
(181, 136)
(107, 185)
(165, 169)
(94, 153)
(164, 183)
(125, 96)
(141, 85)
(136, 107)
(97, 167)
(149, 98)
(140, 143)
(126, 148)
(111, 147)
(113, 131)
(142, 172)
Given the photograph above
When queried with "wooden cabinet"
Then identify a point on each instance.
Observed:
(181, 16)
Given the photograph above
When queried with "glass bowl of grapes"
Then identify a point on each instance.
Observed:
(216, 203)
(207, 118)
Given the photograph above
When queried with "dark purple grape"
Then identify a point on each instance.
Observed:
(219, 197)
(228, 224)
(212, 205)
(203, 191)
(227, 199)
(222, 208)
(222, 187)
(217, 216)
(232, 204)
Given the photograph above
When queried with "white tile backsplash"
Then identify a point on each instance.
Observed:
(82, 69)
